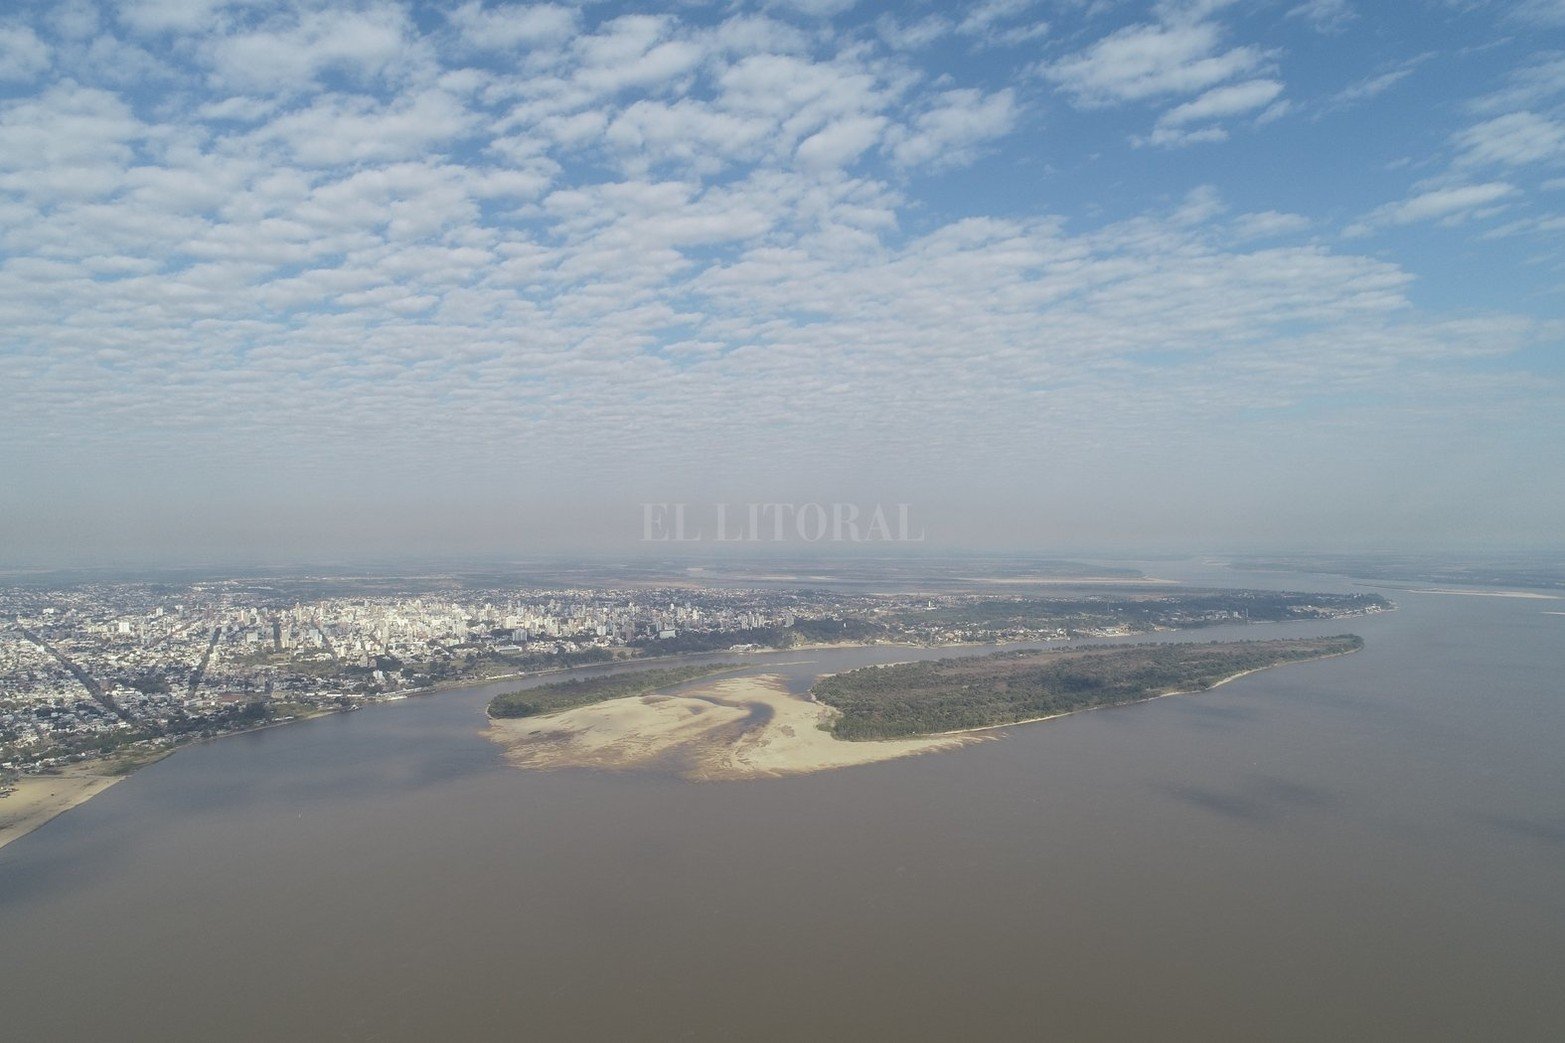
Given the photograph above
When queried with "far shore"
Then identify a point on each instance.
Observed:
(1531, 595)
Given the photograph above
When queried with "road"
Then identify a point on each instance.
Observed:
(94, 689)
(206, 657)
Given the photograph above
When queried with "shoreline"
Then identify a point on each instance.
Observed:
(1524, 594)
(38, 799)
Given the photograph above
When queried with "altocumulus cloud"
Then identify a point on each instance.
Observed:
(319, 255)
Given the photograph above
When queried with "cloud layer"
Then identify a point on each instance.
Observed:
(281, 266)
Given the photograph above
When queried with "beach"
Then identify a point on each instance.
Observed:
(740, 728)
(39, 798)
(1533, 595)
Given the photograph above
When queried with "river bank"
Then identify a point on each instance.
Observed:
(38, 798)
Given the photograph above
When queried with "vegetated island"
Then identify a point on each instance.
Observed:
(961, 694)
(748, 727)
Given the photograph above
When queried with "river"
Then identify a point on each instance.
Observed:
(1364, 847)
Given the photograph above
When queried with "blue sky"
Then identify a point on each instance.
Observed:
(297, 279)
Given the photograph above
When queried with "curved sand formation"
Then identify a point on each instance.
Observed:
(744, 727)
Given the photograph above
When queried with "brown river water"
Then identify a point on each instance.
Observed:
(1368, 847)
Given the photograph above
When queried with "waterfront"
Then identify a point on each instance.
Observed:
(1366, 846)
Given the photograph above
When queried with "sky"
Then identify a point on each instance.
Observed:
(288, 280)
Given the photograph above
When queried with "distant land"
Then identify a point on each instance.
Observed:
(1542, 571)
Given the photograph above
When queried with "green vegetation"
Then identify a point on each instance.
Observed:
(987, 617)
(529, 702)
(982, 691)
(127, 761)
(550, 660)
(150, 683)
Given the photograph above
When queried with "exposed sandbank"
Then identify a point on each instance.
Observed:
(739, 728)
(1485, 593)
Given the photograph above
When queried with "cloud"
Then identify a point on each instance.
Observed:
(363, 44)
(684, 133)
(75, 19)
(238, 108)
(345, 129)
(1537, 81)
(1001, 23)
(1325, 16)
(1546, 13)
(1514, 139)
(1148, 61)
(815, 8)
(1267, 224)
(23, 56)
(160, 16)
(508, 27)
(948, 133)
(913, 34)
(1173, 130)
(1550, 225)
(840, 143)
(1217, 103)
(68, 142)
(1223, 101)
(1372, 86)
(1451, 204)
(691, 249)
(632, 52)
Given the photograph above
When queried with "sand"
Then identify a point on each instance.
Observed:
(1485, 593)
(741, 728)
(38, 798)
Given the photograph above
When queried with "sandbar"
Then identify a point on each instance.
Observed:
(1485, 593)
(737, 728)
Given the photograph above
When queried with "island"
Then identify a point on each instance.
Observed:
(751, 726)
(966, 693)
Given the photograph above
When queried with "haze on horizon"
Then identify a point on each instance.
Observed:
(294, 279)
